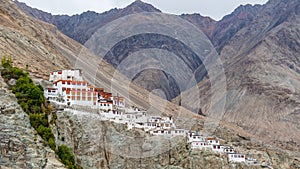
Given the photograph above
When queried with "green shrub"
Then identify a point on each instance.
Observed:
(66, 156)
(52, 144)
(53, 119)
(31, 99)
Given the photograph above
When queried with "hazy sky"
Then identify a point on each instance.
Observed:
(213, 8)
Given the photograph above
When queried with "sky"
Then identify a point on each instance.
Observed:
(215, 9)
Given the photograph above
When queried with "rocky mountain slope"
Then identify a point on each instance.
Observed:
(20, 145)
(102, 144)
(261, 61)
(31, 42)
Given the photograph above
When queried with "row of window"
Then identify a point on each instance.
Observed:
(103, 104)
(202, 144)
(74, 83)
(83, 98)
(157, 124)
(237, 156)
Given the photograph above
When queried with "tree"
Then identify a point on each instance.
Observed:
(66, 155)
(51, 143)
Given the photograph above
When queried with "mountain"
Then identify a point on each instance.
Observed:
(261, 62)
(226, 28)
(259, 47)
(206, 24)
(81, 27)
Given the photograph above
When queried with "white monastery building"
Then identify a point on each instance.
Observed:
(69, 89)
(236, 158)
(73, 75)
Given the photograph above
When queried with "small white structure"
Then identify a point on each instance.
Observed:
(252, 161)
(118, 101)
(212, 141)
(227, 150)
(195, 137)
(113, 114)
(236, 158)
(168, 133)
(200, 145)
(217, 148)
(51, 93)
(179, 132)
(105, 105)
(161, 122)
(73, 74)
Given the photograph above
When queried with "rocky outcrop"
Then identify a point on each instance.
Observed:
(20, 145)
(102, 144)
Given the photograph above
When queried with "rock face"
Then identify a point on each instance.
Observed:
(101, 144)
(20, 145)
